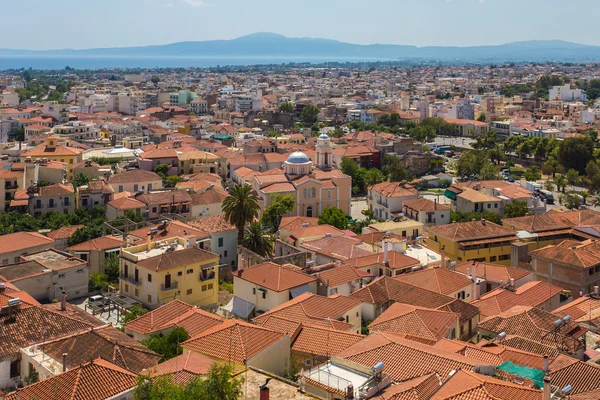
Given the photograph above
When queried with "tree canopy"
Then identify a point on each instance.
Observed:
(167, 345)
(333, 216)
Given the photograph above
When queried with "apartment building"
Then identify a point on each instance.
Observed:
(385, 199)
(158, 272)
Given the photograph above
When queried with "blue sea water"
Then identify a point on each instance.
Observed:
(54, 62)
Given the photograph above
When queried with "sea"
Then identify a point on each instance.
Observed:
(86, 62)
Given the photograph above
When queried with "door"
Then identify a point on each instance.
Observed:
(167, 281)
(309, 212)
(137, 275)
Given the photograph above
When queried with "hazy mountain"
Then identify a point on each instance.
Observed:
(273, 45)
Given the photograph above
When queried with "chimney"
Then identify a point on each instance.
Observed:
(474, 277)
(385, 251)
(64, 362)
(63, 301)
(512, 283)
(443, 258)
(264, 390)
(596, 290)
(148, 241)
(547, 389)
(545, 365)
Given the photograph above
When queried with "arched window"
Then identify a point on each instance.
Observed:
(305, 193)
(313, 193)
(309, 212)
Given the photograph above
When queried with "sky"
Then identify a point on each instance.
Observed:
(47, 24)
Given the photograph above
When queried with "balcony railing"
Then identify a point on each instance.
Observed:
(131, 279)
(172, 286)
(207, 276)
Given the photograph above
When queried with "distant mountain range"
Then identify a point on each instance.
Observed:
(274, 45)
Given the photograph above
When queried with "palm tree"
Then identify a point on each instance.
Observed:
(259, 240)
(373, 176)
(584, 195)
(561, 182)
(240, 208)
(596, 202)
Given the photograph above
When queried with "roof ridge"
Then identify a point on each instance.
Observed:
(423, 324)
(77, 378)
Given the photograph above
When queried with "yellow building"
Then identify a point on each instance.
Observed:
(481, 241)
(52, 150)
(406, 228)
(156, 273)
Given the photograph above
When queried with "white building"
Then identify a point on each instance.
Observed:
(565, 93)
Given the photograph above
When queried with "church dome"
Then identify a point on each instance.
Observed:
(298, 157)
(324, 136)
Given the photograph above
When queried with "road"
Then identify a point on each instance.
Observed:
(454, 141)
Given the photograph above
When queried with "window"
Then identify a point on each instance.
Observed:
(220, 242)
(333, 291)
(120, 188)
(149, 298)
(489, 206)
(149, 278)
(347, 319)
(329, 194)
(149, 187)
(442, 216)
(137, 292)
(253, 290)
(357, 313)
(84, 257)
(154, 209)
(493, 258)
(189, 271)
(210, 286)
(179, 273)
(189, 291)
(15, 366)
(264, 294)
(135, 187)
(204, 288)
(225, 253)
(495, 205)
(461, 295)
(60, 276)
(504, 257)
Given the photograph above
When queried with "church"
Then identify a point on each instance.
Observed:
(313, 187)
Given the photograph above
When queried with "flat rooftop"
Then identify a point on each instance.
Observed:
(337, 376)
(425, 255)
(54, 260)
(22, 270)
(155, 251)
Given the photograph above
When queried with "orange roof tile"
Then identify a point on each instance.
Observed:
(274, 277)
(439, 280)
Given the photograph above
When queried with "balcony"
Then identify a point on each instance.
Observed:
(173, 286)
(131, 279)
(207, 275)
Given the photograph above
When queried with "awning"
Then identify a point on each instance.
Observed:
(297, 291)
(19, 203)
(450, 195)
(239, 307)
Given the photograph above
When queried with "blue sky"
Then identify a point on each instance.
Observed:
(47, 24)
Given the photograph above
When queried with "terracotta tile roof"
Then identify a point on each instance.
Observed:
(534, 324)
(439, 280)
(423, 204)
(23, 240)
(233, 340)
(65, 232)
(314, 231)
(101, 243)
(34, 324)
(553, 220)
(183, 368)
(42, 151)
(466, 385)
(318, 340)
(492, 353)
(423, 323)
(212, 196)
(465, 231)
(134, 176)
(584, 377)
(421, 388)
(338, 276)
(126, 203)
(178, 259)
(213, 224)
(172, 314)
(386, 289)
(492, 272)
(582, 309)
(290, 223)
(95, 380)
(476, 196)
(582, 255)
(73, 312)
(534, 294)
(405, 359)
(274, 277)
(592, 395)
(166, 198)
(105, 342)
(395, 189)
(292, 328)
(339, 248)
(279, 187)
(170, 230)
(376, 237)
(313, 310)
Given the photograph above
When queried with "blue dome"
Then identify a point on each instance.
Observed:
(324, 136)
(298, 157)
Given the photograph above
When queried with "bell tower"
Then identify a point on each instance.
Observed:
(324, 152)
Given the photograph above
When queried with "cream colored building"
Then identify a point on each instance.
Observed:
(156, 273)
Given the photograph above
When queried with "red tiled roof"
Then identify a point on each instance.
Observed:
(23, 240)
(322, 341)
(439, 280)
(274, 277)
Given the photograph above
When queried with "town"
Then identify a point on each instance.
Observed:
(385, 231)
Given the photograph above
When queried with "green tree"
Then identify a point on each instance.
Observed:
(97, 281)
(584, 195)
(134, 312)
(333, 216)
(549, 186)
(481, 118)
(561, 183)
(286, 107)
(167, 345)
(550, 167)
(259, 240)
(218, 385)
(240, 208)
(592, 171)
(111, 267)
(18, 134)
(576, 153)
(533, 174)
(162, 170)
(172, 181)
(84, 234)
(280, 206)
(471, 162)
(572, 177)
(488, 171)
(515, 209)
(456, 216)
(81, 180)
(310, 114)
(373, 176)
(155, 79)
(395, 171)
